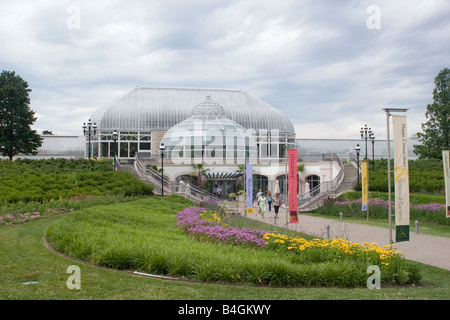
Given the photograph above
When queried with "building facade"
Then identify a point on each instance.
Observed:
(221, 129)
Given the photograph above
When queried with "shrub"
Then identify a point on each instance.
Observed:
(425, 176)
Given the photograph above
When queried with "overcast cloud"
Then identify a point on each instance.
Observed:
(332, 66)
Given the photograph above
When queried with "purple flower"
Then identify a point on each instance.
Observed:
(434, 207)
(190, 220)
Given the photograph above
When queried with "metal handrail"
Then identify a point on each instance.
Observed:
(173, 187)
(326, 186)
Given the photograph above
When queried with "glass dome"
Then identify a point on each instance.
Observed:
(141, 115)
(146, 109)
(209, 137)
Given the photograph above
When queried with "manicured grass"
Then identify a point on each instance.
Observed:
(25, 258)
(143, 235)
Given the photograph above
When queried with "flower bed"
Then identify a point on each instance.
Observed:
(378, 208)
(435, 207)
(10, 219)
(207, 226)
(338, 249)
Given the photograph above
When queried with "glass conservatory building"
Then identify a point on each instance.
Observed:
(144, 115)
(209, 137)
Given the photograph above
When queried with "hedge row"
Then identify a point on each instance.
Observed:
(425, 176)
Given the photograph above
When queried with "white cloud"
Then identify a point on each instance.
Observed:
(316, 61)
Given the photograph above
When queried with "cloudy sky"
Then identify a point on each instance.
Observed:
(331, 65)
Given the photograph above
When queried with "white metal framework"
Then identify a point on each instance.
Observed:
(142, 111)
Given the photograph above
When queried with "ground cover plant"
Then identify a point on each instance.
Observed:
(21, 212)
(143, 235)
(423, 208)
(426, 185)
(30, 271)
(32, 189)
(58, 165)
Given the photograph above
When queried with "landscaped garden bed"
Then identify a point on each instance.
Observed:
(163, 236)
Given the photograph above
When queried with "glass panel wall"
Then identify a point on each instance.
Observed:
(128, 143)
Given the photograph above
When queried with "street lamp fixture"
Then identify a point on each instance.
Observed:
(162, 149)
(365, 134)
(115, 136)
(357, 149)
(89, 129)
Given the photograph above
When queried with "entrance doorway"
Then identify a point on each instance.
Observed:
(314, 183)
(260, 182)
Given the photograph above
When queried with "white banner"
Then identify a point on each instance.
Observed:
(401, 176)
(446, 160)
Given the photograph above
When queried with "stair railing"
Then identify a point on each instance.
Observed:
(170, 187)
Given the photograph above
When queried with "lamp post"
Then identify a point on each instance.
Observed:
(372, 137)
(89, 129)
(115, 136)
(357, 149)
(365, 133)
(162, 148)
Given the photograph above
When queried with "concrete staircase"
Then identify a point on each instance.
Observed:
(348, 182)
(129, 167)
(151, 177)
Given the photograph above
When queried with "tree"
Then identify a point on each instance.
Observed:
(300, 168)
(200, 171)
(16, 117)
(47, 133)
(436, 130)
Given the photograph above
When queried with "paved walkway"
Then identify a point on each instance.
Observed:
(422, 248)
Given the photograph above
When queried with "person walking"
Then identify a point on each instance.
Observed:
(219, 191)
(276, 204)
(258, 197)
(262, 205)
(269, 200)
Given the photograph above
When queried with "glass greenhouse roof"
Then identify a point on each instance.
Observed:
(344, 147)
(209, 134)
(60, 147)
(146, 108)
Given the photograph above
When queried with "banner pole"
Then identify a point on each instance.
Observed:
(446, 163)
(368, 191)
(388, 114)
(389, 176)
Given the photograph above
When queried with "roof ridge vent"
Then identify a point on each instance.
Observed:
(208, 108)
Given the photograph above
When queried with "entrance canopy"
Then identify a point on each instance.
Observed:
(223, 175)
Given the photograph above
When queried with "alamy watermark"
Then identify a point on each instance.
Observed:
(373, 22)
(74, 281)
(374, 281)
(73, 21)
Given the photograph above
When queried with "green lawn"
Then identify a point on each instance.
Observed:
(30, 270)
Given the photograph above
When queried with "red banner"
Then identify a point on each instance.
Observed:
(292, 178)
